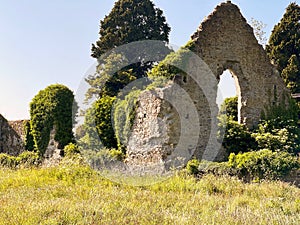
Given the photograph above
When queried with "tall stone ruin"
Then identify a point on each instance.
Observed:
(224, 41)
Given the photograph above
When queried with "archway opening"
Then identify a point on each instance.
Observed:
(228, 87)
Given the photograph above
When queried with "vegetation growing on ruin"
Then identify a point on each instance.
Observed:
(114, 72)
(277, 131)
(52, 108)
(98, 126)
(124, 115)
(174, 64)
(203, 193)
(28, 138)
(24, 160)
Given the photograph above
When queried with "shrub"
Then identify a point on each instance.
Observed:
(216, 168)
(230, 108)
(263, 164)
(104, 158)
(278, 135)
(192, 166)
(8, 161)
(28, 159)
(236, 137)
(117, 154)
(71, 150)
(24, 160)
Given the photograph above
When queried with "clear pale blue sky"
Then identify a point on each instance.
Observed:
(44, 42)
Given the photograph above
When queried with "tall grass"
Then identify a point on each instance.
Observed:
(78, 195)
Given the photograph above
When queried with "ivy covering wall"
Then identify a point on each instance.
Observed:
(52, 108)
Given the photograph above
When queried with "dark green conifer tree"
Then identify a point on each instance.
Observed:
(284, 47)
(128, 21)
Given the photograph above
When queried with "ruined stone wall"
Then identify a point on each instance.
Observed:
(156, 130)
(18, 127)
(11, 141)
(223, 41)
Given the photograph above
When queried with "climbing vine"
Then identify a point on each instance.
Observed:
(52, 108)
(28, 140)
(124, 115)
(166, 68)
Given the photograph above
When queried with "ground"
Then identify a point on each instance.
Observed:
(78, 195)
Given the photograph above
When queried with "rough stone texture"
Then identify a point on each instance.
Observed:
(52, 155)
(18, 126)
(223, 41)
(11, 136)
(156, 126)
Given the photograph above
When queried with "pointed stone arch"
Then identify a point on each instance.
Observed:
(224, 41)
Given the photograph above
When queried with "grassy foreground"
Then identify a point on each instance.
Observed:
(77, 195)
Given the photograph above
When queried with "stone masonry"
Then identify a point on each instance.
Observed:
(12, 140)
(223, 41)
(11, 136)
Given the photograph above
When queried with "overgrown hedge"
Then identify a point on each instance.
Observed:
(249, 166)
(263, 164)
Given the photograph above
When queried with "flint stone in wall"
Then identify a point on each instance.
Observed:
(11, 136)
(223, 41)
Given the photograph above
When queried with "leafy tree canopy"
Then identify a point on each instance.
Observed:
(284, 47)
(230, 107)
(98, 127)
(128, 21)
(109, 79)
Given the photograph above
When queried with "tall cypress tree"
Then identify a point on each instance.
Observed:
(284, 47)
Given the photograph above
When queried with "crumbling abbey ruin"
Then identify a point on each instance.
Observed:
(223, 41)
(180, 120)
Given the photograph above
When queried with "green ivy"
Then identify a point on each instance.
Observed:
(286, 109)
(175, 63)
(98, 125)
(28, 139)
(52, 108)
(124, 115)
